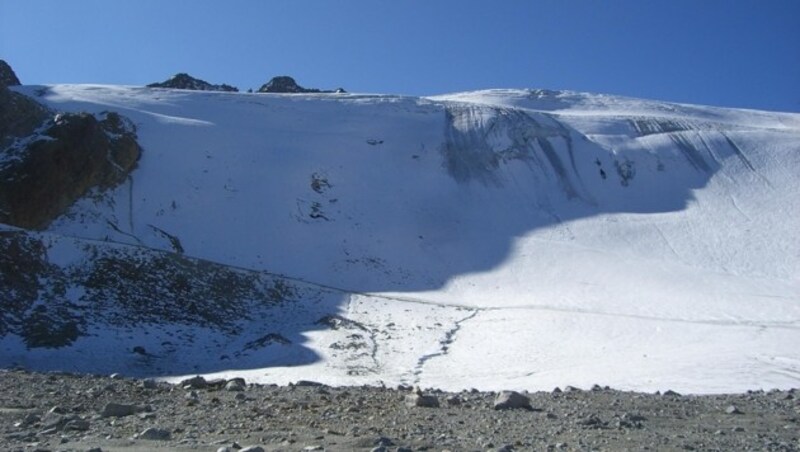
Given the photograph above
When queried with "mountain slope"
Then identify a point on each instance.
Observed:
(504, 238)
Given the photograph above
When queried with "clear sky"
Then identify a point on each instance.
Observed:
(737, 53)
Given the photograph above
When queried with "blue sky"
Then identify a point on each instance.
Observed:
(737, 53)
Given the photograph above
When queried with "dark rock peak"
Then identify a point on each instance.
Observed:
(7, 75)
(283, 84)
(186, 81)
(286, 84)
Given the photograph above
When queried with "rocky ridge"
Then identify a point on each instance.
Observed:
(286, 84)
(70, 412)
(185, 81)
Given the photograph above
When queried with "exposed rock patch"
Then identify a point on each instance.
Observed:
(20, 116)
(123, 287)
(41, 178)
(286, 84)
(186, 81)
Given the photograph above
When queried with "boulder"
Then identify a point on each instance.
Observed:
(155, 434)
(418, 399)
(197, 382)
(118, 410)
(235, 385)
(511, 400)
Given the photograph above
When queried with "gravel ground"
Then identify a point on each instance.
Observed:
(65, 412)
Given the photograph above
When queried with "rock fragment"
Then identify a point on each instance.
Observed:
(252, 449)
(155, 434)
(418, 399)
(733, 409)
(118, 410)
(79, 425)
(197, 382)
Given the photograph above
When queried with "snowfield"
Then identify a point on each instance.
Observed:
(501, 239)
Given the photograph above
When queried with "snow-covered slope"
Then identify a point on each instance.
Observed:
(493, 239)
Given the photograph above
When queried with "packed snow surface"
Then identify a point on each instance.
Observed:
(501, 239)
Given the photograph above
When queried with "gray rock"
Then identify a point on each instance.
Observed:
(155, 434)
(149, 384)
(511, 400)
(234, 447)
(217, 383)
(384, 442)
(421, 400)
(197, 382)
(48, 431)
(54, 420)
(252, 449)
(118, 410)
(235, 385)
(733, 409)
(29, 419)
(80, 425)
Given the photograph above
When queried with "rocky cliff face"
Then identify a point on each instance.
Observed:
(49, 160)
(43, 174)
(19, 116)
(185, 81)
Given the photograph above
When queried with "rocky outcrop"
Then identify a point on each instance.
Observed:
(122, 287)
(186, 81)
(48, 160)
(19, 116)
(286, 84)
(40, 179)
(7, 75)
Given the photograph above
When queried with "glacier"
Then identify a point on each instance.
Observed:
(497, 239)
